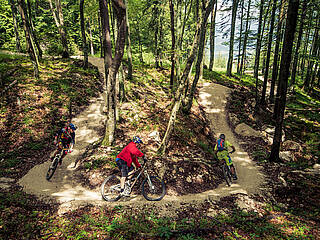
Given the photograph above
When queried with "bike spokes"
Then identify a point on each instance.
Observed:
(153, 188)
(110, 188)
(52, 167)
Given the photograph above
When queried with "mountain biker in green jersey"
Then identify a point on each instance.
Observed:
(221, 150)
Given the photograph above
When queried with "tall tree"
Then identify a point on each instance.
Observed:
(15, 25)
(276, 54)
(30, 43)
(245, 41)
(189, 99)
(112, 64)
(314, 50)
(299, 38)
(32, 29)
(240, 37)
(59, 20)
(83, 33)
(258, 48)
(201, 31)
(173, 44)
(212, 34)
(291, 21)
(129, 52)
(231, 42)
(266, 73)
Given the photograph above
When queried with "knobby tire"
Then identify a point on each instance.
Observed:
(227, 175)
(155, 194)
(110, 188)
(53, 167)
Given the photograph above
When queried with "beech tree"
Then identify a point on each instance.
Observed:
(198, 45)
(59, 20)
(83, 33)
(29, 40)
(112, 64)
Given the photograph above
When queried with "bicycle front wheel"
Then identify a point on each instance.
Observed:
(110, 188)
(153, 188)
(53, 167)
(227, 175)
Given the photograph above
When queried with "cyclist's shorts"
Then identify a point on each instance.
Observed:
(229, 161)
(122, 165)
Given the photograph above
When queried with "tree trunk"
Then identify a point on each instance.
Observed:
(32, 30)
(83, 33)
(173, 44)
(276, 54)
(129, 52)
(30, 44)
(140, 45)
(266, 73)
(291, 21)
(314, 49)
(15, 26)
(91, 39)
(240, 37)
(58, 18)
(296, 55)
(100, 33)
(189, 100)
(258, 48)
(245, 39)
(212, 34)
(178, 97)
(231, 42)
(113, 64)
(305, 48)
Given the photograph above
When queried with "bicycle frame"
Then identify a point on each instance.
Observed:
(142, 170)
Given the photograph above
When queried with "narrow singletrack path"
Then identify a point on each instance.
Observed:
(65, 186)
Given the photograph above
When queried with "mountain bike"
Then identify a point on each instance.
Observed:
(54, 164)
(227, 173)
(153, 188)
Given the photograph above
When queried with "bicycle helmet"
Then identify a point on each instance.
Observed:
(136, 139)
(72, 126)
(222, 136)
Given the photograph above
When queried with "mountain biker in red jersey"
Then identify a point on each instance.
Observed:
(65, 138)
(125, 159)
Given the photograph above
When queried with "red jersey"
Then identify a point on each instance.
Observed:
(130, 154)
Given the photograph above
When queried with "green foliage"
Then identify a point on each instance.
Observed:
(6, 25)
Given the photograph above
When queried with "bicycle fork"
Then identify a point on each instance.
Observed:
(149, 181)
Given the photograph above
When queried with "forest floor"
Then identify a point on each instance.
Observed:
(197, 204)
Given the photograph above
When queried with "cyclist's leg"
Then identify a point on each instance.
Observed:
(64, 153)
(130, 172)
(122, 165)
(232, 168)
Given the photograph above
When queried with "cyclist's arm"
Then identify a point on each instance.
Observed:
(233, 149)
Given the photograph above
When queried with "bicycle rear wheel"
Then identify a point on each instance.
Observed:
(227, 174)
(153, 190)
(110, 188)
(53, 167)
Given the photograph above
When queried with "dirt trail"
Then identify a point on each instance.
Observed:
(65, 186)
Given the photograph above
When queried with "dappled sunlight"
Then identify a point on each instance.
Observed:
(242, 159)
(71, 193)
(215, 110)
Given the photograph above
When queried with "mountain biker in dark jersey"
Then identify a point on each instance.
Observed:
(223, 154)
(65, 138)
(125, 159)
